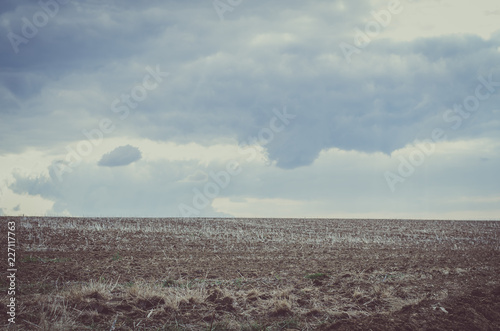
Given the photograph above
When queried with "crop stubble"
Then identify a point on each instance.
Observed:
(254, 274)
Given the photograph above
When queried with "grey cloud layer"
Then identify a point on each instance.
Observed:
(120, 156)
(227, 76)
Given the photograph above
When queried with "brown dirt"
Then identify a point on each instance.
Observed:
(254, 274)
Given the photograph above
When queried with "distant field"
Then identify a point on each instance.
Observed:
(254, 274)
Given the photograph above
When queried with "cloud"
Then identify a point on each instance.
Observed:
(356, 187)
(220, 87)
(198, 176)
(155, 188)
(120, 156)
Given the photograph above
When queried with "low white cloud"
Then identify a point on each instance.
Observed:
(459, 176)
(198, 176)
(429, 18)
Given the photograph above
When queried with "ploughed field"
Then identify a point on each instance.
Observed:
(254, 274)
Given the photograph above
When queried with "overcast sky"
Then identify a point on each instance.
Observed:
(322, 108)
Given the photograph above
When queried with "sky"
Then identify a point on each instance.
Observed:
(238, 108)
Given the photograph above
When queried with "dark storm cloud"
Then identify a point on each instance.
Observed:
(226, 77)
(120, 156)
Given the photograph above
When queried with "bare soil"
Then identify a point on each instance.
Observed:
(254, 274)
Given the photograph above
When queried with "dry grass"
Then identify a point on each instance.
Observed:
(107, 303)
(185, 274)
